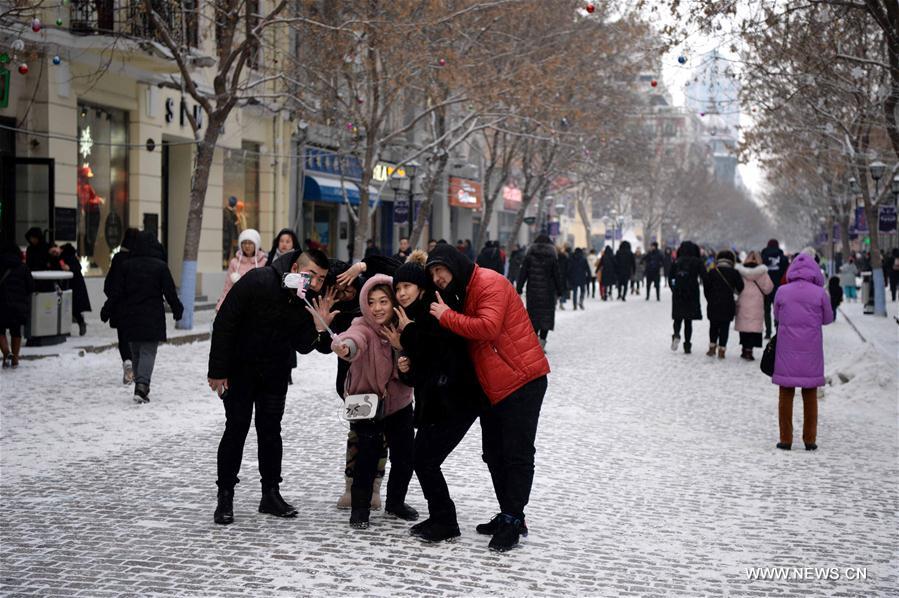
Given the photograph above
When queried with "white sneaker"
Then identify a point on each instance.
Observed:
(675, 341)
(127, 372)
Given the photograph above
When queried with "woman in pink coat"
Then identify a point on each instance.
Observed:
(801, 308)
(373, 369)
(751, 303)
(249, 256)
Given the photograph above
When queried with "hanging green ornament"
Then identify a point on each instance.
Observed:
(59, 22)
(4, 58)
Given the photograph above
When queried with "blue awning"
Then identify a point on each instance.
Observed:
(321, 187)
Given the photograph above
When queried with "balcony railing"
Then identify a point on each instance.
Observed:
(129, 18)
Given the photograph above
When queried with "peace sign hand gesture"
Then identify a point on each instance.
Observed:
(402, 318)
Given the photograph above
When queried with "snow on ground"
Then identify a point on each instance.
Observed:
(656, 475)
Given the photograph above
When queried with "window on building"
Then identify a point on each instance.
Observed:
(240, 191)
(102, 184)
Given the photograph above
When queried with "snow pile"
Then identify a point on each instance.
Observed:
(863, 375)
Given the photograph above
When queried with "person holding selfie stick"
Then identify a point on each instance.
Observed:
(263, 319)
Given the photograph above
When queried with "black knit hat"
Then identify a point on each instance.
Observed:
(411, 272)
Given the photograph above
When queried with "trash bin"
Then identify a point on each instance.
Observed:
(51, 309)
(868, 292)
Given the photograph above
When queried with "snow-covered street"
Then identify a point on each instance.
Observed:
(657, 475)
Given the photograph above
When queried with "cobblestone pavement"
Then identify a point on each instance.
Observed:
(656, 476)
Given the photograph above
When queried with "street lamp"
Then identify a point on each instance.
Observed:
(397, 184)
(877, 169)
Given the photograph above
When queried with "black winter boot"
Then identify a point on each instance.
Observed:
(272, 504)
(437, 531)
(688, 347)
(359, 518)
(403, 511)
(507, 536)
(141, 393)
(224, 510)
(491, 527)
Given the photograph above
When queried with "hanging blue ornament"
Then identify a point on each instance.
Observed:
(682, 59)
(57, 60)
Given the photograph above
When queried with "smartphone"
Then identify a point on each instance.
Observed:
(304, 281)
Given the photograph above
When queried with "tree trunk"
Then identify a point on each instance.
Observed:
(198, 186)
(871, 213)
(519, 217)
(432, 186)
(844, 236)
(489, 203)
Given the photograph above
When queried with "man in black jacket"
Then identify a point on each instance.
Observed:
(773, 257)
(257, 328)
(653, 262)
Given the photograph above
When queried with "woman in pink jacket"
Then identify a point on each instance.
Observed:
(751, 303)
(249, 256)
(801, 308)
(373, 369)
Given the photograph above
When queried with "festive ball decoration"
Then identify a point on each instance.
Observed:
(682, 59)
(702, 114)
(23, 69)
(360, 100)
(654, 83)
(4, 58)
(57, 59)
(18, 45)
(349, 126)
(36, 25)
(442, 62)
(59, 22)
(590, 8)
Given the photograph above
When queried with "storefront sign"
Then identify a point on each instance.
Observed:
(861, 221)
(113, 230)
(887, 223)
(511, 197)
(464, 193)
(65, 224)
(382, 172)
(182, 113)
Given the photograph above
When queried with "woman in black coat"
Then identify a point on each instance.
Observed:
(136, 298)
(563, 259)
(720, 285)
(16, 286)
(37, 255)
(448, 397)
(81, 302)
(115, 271)
(608, 273)
(625, 265)
(285, 241)
(541, 272)
(684, 277)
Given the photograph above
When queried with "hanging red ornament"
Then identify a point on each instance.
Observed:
(349, 126)
(654, 83)
(23, 69)
(590, 8)
(36, 25)
(442, 62)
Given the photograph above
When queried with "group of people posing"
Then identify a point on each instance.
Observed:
(438, 339)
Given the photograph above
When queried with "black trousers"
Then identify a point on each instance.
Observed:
(124, 346)
(688, 329)
(508, 431)
(267, 396)
(397, 428)
(718, 332)
(652, 280)
(769, 301)
(622, 290)
(433, 444)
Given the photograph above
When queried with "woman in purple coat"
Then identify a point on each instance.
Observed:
(801, 307)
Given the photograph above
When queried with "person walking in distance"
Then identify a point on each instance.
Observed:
(16, 286)
(751, 303)
(653, 262)
(511, 368)
(774, 259)
(720, 285)
(115, 271)
(578, 275)
(624, 268)
(801, 309)
(135, 301)
(608, 275)
(257, 326)
(540, 274)
(685, 272)
(848, 274)
(249, 256)
(592, 261)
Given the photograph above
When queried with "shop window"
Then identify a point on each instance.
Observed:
(102, 184)
(240, 197)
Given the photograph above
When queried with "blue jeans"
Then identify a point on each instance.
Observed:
(850, 292)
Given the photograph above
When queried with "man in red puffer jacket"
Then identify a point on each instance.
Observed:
(482, 306)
